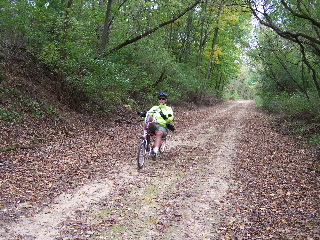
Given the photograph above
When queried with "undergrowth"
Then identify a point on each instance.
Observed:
(16, 105)
(295, 114)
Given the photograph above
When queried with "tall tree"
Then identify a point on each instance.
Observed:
(106, 28)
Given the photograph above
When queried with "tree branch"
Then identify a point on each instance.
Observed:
(300, 15)
(149, 32)
(294, 37)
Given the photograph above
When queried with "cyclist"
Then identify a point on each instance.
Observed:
(163, 115)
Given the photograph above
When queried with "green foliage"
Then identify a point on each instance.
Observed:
(290, 104)
(184, 85)
(286, 83)
(7, 111)
(201, 53)
(16, 104)
(36, 108)
(68, 38)
(299, 115)
(2, 75)
(288, 63)
(101, 81)
(314, 139)
(9, 114)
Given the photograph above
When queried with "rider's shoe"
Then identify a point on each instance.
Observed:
(153, 155)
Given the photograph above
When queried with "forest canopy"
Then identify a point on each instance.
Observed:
(116, 52)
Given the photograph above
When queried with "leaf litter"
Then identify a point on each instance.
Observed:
(228, 174)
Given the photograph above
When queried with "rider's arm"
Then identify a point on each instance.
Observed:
(153, 111)
(166, 115)
(169, 115)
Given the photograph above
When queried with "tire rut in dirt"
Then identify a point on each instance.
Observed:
(179, 195)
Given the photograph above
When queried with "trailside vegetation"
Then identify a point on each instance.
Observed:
(123, 52)
(284, 56)
(99, 56)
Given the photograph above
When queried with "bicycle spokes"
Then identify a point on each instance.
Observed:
(142, 154)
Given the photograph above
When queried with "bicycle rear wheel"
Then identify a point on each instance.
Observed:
(142, 154)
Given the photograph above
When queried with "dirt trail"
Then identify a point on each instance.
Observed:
(181, 195)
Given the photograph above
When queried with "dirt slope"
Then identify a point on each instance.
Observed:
(226, 175)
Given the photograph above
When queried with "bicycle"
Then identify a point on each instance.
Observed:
(145, 149)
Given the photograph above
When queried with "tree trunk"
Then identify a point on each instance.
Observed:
(106, 28)
(213, 46)
(60, 79)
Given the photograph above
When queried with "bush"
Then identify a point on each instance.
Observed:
(302, 115)
(293, 105)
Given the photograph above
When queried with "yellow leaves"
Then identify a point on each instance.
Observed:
(228, 236)
(48, 183)
(226, 19)
(217, 52)
(127, 106)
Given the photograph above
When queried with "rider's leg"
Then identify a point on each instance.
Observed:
(151, 124)
(157, 142)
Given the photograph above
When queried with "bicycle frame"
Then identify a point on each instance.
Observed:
(146, 145)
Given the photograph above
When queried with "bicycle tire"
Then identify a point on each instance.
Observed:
(162, 148)
(142, 154)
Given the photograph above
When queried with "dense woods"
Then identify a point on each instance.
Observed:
(100, 55)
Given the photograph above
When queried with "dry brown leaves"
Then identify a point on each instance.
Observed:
(275, 196)
(42, 158)
(276, 193)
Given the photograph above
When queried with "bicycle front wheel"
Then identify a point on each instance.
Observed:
(142, 154)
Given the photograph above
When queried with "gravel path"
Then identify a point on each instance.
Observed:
(208, 185)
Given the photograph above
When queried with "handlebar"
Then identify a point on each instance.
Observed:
(146, 115)
(147, 119)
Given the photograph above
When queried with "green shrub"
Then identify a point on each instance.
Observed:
(9, 115)
(302, 114)
(314, 139)
(290, 104)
